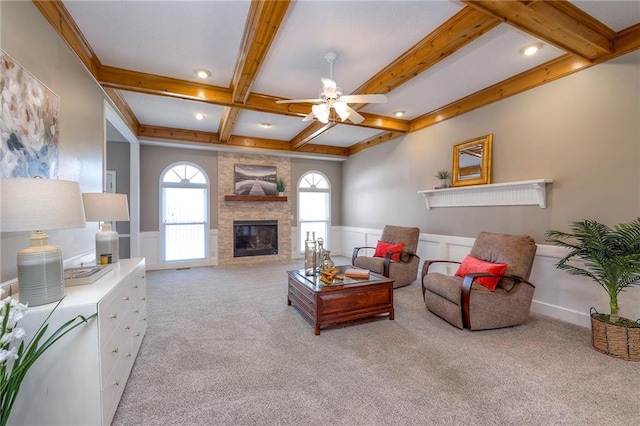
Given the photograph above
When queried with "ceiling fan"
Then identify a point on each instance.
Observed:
(331, 97)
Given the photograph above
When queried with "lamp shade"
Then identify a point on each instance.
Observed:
(105, 206)
(40, 204)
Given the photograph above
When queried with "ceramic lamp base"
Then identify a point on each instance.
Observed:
(107, 244)
(40, 272)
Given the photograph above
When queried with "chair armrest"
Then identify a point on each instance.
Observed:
(355, 253)
(466, 291)
(427, 264)
(387, 260)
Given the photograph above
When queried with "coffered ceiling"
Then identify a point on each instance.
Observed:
(433, 59)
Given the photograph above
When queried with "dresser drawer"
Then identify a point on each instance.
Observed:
(112, 310)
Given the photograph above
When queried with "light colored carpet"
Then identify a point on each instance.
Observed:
(223, 348)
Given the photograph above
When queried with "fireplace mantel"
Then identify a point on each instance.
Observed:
(254, 198)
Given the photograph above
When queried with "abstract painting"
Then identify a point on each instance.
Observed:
(28, 124)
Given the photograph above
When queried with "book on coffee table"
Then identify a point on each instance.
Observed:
(357, 273)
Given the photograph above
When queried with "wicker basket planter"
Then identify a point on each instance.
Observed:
(619, 341)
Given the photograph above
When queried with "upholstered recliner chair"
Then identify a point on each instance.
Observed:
(465, 303)
(401, 266)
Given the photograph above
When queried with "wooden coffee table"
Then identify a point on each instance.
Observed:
(342, 303)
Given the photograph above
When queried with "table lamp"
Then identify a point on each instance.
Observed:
(106, 207)
(40, 204)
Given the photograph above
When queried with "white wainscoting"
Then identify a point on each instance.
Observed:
(558, 294)
(151, 250)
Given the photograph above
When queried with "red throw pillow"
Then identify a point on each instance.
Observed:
(470, 265)
(382, 248)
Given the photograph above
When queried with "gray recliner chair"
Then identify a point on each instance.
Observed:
(466, 304)
(404, 271)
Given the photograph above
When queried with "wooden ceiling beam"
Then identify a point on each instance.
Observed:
(558, 23)
(537, 76)
(625, 41)
(461, 29)
(60, 19)
(118, 78)
(464, 27)
(261, 27)
(209, 138)
(373, 141)
(122, 106)
(308, 134)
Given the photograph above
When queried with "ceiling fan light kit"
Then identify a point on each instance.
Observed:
(331, 97)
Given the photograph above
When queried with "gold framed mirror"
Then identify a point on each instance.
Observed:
(472, 162)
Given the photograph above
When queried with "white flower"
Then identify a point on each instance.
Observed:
(8, 354)
(15, 334)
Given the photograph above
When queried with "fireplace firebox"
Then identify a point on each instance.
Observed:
(255, 238)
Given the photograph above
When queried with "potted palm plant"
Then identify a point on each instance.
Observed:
(611, 258)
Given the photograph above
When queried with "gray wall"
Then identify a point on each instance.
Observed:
(332, 170)
(118, 160)
(581, 131)
(28, 38)
(153, 161)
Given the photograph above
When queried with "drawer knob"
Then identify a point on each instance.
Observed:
(129, 355)
(137, 311)
(127, 328)
(144, 298)
(125, 298)
(116, 383)
(137, 334)
(113, 316)
(135, 286)
(115, 350)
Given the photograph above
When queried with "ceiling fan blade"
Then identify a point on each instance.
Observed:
(294, 101)
(354, 116)
(309, 117)
(329, 87)
(364, 99)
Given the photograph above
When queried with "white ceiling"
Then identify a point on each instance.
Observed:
(172, 38)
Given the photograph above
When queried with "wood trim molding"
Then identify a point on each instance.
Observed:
(261, 27)
(371, 142)
(123, 108)
(461, 29)
(59, 18)
(565, 26)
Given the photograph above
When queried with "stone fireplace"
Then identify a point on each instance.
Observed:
(233, 212)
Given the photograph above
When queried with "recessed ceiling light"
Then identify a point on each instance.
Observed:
(200, 116)
(203, 73)
(398, 113)
(532, 49)
(265, 125)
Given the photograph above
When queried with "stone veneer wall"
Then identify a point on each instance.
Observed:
(228, 211)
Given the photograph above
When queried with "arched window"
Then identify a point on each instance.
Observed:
(314, 207)
(184, 217)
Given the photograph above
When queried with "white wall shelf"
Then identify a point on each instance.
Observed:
(523, 193)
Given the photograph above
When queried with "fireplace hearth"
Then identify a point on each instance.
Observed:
(255, 238)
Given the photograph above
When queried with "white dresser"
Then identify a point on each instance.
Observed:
(80, 379)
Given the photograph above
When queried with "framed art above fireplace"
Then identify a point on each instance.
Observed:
(254, 180)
